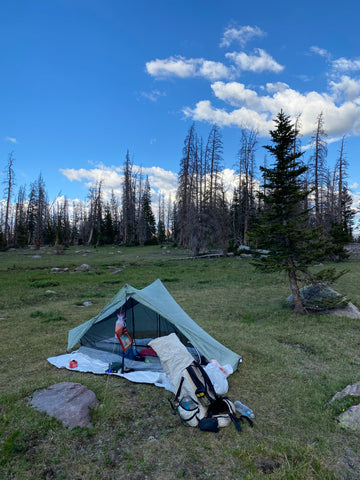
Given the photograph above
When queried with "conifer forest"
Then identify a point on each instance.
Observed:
(205, 214)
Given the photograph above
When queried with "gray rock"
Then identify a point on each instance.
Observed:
(319, 298)
(349, 311)
(353, 390)
(66, 401)
(83, 268)
(351, 418)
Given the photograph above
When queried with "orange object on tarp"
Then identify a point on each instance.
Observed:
(122, 333)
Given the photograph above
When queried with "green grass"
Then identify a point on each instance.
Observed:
(292, 366)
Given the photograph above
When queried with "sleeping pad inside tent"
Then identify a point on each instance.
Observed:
(150, 313)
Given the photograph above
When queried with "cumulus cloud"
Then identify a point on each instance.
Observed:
(347, 88)
(110, 177)
(257, 111)
(243, 116)
(256, 106)
(240, 35)
(182, 67)
(236, 94)
(346, 65)
(161, 180)
(258, 63)
(340, 65)
(164, 181)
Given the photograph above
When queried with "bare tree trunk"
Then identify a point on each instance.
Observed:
(9, 188)
(341, 168)
(246, 173)
(298, 303)
(318, 164)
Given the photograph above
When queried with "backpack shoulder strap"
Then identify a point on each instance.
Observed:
(202, 382)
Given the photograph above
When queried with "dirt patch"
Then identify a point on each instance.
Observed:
(266, 465)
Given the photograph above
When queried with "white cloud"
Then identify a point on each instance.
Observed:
(173, 66)
(258, 63)
(204, 111)
(236, 94)
(346, 65)
(240, 35)
(109, 176)
(181, 67)
(11, 140)
(153, 96)
(161, 180)
(320, 51)
(347, 88)
(276, 87)
(257, 111)
(165, 181)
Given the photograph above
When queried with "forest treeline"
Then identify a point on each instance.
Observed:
(203, 215)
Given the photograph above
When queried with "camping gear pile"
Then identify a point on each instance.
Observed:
(194, 396)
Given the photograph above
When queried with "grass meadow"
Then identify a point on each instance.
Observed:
(292, 366)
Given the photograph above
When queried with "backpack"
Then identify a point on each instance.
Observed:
(198, 404)
(195, 399)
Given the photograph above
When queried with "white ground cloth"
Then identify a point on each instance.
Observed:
(97, 361)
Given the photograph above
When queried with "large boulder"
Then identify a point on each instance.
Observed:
(66, 401)
(319, 298)
(350, 311)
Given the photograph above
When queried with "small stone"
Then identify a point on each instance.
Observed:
(83, 268)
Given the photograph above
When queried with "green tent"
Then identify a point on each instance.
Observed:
(150, 313)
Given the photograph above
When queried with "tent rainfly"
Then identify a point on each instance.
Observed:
(150, 312)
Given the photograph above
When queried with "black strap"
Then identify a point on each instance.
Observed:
(204, 387)
(179, 389)
(244, 417)
(173, 400)
(235, 421)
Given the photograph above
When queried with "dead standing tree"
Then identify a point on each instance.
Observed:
(317, 166)
(9, 187)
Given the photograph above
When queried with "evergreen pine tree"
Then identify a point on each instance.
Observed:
(283, 228)
(147, 223)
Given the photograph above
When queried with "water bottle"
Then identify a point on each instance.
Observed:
(188, 403)
(243, 409)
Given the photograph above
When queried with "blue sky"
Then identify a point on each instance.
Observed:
(83, 81)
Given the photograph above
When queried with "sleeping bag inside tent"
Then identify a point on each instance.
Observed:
(150, 313)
